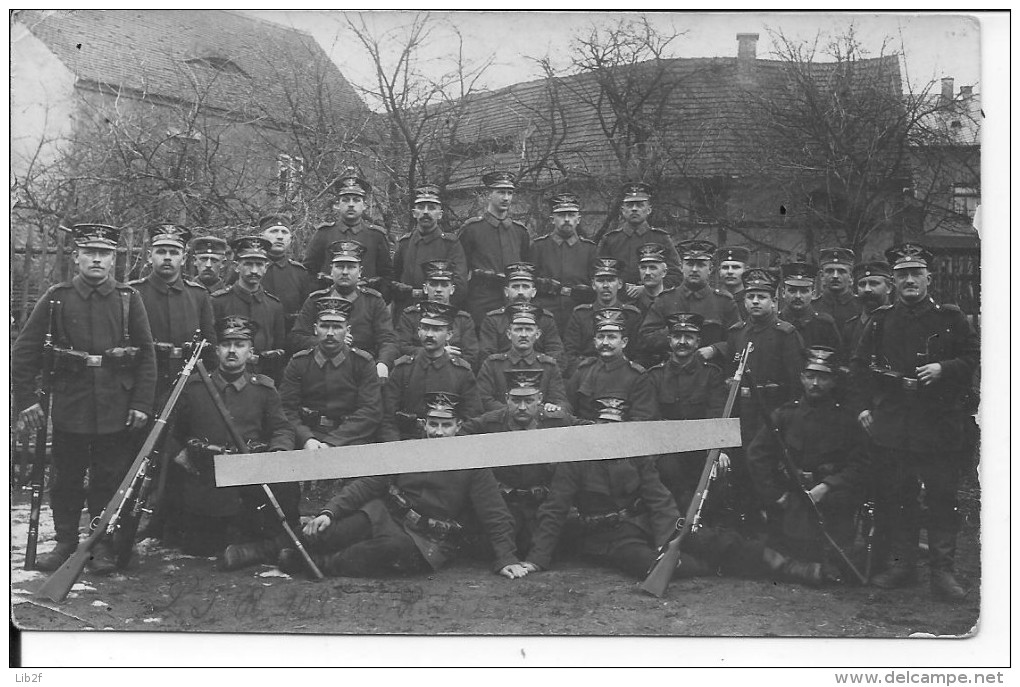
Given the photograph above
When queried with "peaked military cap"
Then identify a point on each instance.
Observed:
(733, 254)
(611, 409)
(95, 236)
(209, 245)
(684, 322)
(169, 235)
(909, 255)
(520, 270)
(522, 313)
(799, 274)
(350, 184)
(437, 270)
(499, 179)
(873, 268)
(565, 202)
(636, 190)
(251, 247)
(333, 309)
(346, 251)
(442, 404)
(651, 252)
(759, 279)
(427, 193)
(523, 382)
(836, 256)
(436, 313)
(610, 319)
(275, 219)
(822, 359)
(607, 267)
(236, 327)
(697, 250)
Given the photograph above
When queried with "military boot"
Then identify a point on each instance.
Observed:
(292, 562)
(51, 560)
(101, 561)
(237, 556)
(793, 570)
(942, 554)
(899, 573)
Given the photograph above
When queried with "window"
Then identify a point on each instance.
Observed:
(289, 169)
(185, 158)
(966, 200)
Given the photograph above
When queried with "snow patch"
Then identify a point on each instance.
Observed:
(101, 604)
(152, 620)
(22, 575)
(274, 573)
(82, 587)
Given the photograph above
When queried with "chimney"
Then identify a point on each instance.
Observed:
(966, 92)
(747, 46)
(947, 89)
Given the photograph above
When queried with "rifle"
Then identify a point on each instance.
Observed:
(668, 560)
(241, 445)
(792, 472)
(110, 520)
(37, 479)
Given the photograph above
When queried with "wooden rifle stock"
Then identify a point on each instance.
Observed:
(63, 578)
(661, 573)
(37, 479)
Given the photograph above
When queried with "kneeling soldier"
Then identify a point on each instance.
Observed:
(409, 522)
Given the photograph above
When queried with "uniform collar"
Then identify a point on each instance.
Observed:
(494, 221)
(435, 362)
(509, 423)
(769, 322)
(321, 359)
(640, 230)
(248, 296)
(516, 357)
(222, 383)
(917, 309)
(788, 315)
(696, 295)
(85, 289)
(842, 299)
(161, 286)
(280, 262)
(353, 228)
(687, 368)
(614, 364)
(352, 296)
(420, 237)
(560, 240)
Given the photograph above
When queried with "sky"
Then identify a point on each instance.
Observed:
(934, 45)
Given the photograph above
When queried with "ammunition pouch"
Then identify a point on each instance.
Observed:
(69, 361)
(767, 391)
(201, 452)
(606, 521)
(320, 421)
(533, 496)
(434, 528)
(121, 356)
(268, 362)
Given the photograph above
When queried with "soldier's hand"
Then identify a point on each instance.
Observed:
(184, 462)
(317, 525)
(724, 462)
(818, 492)
(513, 570)
(348, 339)
(633, 290)
(551, 408)
(382, 370)
(783, 500)
(314, 443)
(866, 420)
(136, 419)
(454, 350)
(706, 352)
(531, 567)
(31, 418)
(930, 373)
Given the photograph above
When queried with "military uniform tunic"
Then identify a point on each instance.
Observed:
(416, 248)
(370, 324)
(376, 261)
(463, 335)
(623, 242)
(618, 378)
(568, 261)
(492, 337)
(412, 377)
(290, 282)
(840, 308)
(491, 244)
(579, 336)
(816, 329)
(492, 382)
(261, 307)
(715, 305)
(344, 389)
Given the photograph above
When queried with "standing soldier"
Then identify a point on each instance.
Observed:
(439, 287)
(423, 244)
(651, 259)
(732, 261)
(579, 338)
(837, 298)
(331, 393)
(623, 242)
(694, 295)
(816, 329)
(349, 194)
(523, 332)
(520, 288)
(103, 387)
(491, 243)
(433, 369)
(874, 289)
(564, 257)
(371, 327)
(286, 279)
(915, 363)
(210, 262)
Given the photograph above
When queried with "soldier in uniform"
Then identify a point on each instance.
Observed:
(731, 262)
(349, 194)
(371, 327)
(210, 253)
(331, 393)
(491, 243)
(874, 289)
(622, 243)
(520, 288)
(523, 333)
(611, 374)
(816, 329)
(439, 287)
(233, 522)
(412, 522)
(651, 259)
(286, 279)
(694, 295)
(914, 365)
(433, 369)
(248, 299)
(837, 298)
(103, 387)
(687, 388)
(564, 257)
(425, 243)
(829, 449)
(579, 337)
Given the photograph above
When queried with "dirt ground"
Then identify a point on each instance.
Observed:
(167, 592)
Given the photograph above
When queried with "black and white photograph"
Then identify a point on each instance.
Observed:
(282, 281)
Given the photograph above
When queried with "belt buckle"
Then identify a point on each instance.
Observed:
(745, 392)
(176, 352)
(93, 361)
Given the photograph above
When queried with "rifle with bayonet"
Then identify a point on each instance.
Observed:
(38, 476)
(668, 560)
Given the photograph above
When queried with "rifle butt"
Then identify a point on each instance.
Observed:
(662, 571)
(58, 585)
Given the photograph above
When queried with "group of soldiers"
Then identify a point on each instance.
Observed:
(869, 387)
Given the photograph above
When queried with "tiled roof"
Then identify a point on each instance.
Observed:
(712, 127)
(148, 51)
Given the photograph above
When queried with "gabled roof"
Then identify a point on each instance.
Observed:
(175, 54)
